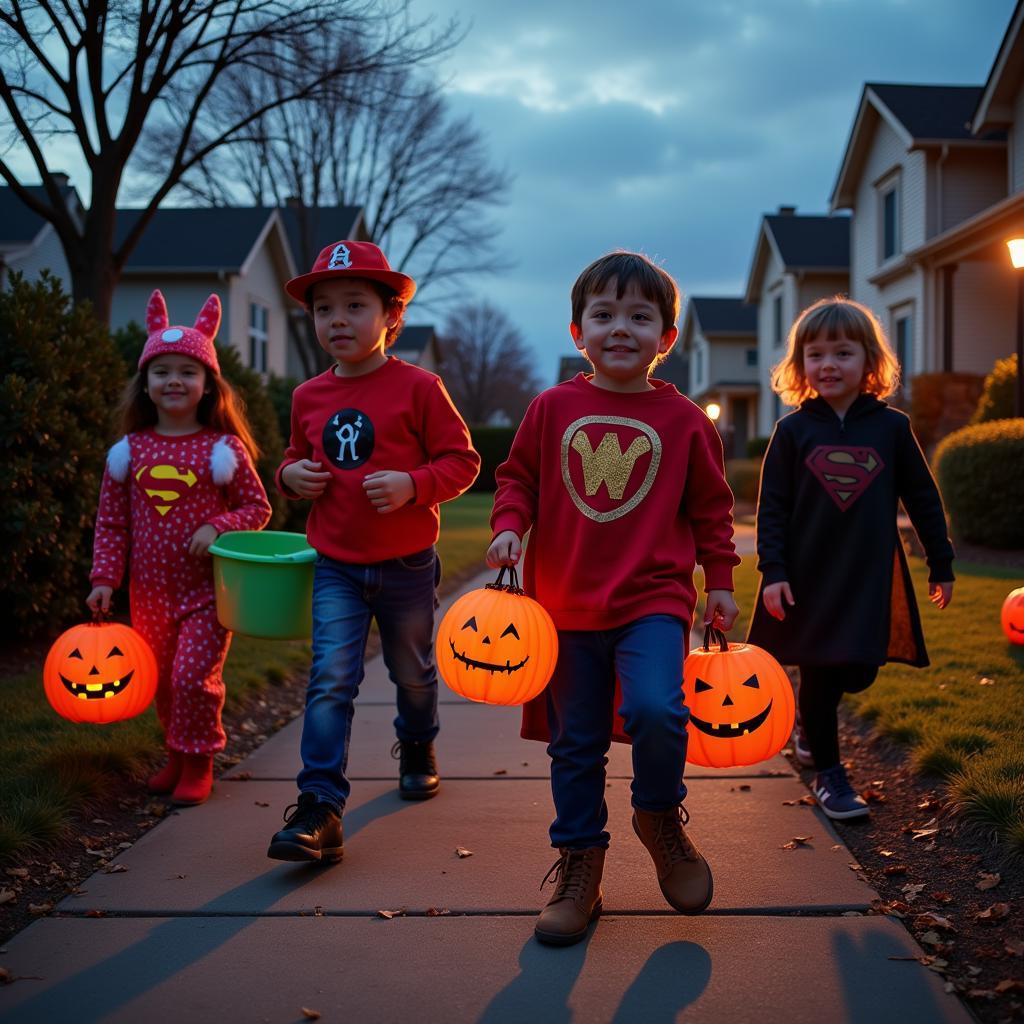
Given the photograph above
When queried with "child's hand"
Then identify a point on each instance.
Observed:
(721, 610)
(505, 549)
(389, 489)
(305, 478)
(775, 597)
(99, 599)
(201, 540)
(940, 594)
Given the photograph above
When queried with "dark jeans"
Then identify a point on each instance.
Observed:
(821, 689)
(647, 656)
(400, 595)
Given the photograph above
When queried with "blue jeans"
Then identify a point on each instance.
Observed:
(400, 595)
(647, 656)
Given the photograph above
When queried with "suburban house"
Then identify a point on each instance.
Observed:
(926, 174)
(798, 259)
(244, 254)
(719, 340)
(569, 366)
(418, 345)
(30, 244)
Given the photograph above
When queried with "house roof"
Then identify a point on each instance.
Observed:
(812, 243)
(18, 224)
(920, 115)
(674, 369)
(214, 238)
(724, 315)
(995, 106)
(415, 338)
(569, 366)
(197, 239)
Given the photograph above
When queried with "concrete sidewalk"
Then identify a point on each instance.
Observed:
(203, 927)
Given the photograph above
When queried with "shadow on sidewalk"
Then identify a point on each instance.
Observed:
(673, 978)
(172, 947)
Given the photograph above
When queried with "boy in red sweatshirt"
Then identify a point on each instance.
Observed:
(376, 444)
(620, 480)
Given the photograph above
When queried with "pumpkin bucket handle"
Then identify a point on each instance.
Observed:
(712, 634)
(512, 587)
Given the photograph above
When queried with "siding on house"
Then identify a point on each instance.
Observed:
(45, 253)
(1016, 144)
(984, 321)
(966, 182)
(261, 284)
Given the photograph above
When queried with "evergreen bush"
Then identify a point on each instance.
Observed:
(997, 397)
(979, 473)
(493, 444)
(60, 377)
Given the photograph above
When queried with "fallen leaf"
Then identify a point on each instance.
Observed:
(500, 771)
(318, 911)
(852, 913)
(744, 787)
(389, 914)
(985, 681)
(17, 872)
(1015, 947)
(923, 833)
(124, 846)
(987, 880)
(95, 913)
(873, 795)
(931, 938)
(1010, 985)
(437, 911)
(942, 897)
(929, 919)
(981, 993)
(894, 869)
(854, 866)
(912, 890)
(40, 908)
(797, 841)
(462, 852)
(243, 777)
(114, 869)
(973, 971)
(100, 821)
(310, 1014)
(886, 853)
(261, 803)
(997, 912)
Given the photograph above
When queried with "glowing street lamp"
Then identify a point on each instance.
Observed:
(1016, 247)
(714, 410)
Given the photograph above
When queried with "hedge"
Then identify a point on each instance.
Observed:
(493, 444)
(997, 398)
(979, 473)
(941, 403)
(60, 377)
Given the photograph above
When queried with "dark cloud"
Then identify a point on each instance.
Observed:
(671, 126)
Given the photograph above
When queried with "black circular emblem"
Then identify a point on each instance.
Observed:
(348, 438)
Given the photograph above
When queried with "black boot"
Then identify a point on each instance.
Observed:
(418, 778)
(312, 833)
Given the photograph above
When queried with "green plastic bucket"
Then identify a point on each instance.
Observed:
(264, 583)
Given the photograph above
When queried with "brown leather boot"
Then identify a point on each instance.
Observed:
(577, 898)
(683, 874)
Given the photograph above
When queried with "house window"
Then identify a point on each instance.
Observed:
(889, 220)
(777, 320)
(258, 318)
(698, 368)
(751, 357)
(903, 337)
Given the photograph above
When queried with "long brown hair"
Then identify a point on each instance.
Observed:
(834, 318)
(221, 408)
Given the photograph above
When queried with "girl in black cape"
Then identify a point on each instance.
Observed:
(836, 596)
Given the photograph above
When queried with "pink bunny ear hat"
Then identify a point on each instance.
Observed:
(195, 341)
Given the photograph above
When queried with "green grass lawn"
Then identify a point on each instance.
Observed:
(962, 718)
(52, 768)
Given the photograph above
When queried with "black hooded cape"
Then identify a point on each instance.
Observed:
(826, 524)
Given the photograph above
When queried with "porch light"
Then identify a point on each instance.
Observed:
(1016, 247)
(714, 410)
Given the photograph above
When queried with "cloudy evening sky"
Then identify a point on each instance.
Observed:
(671, 126)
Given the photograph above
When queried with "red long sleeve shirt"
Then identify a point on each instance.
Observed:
(398, 417)
(624, 494)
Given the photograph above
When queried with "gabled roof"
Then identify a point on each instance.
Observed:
(416, 338)
(724, 315)
(311, 228)
(995, 106)
(195, 239)
(920, 115)
(811, 243)
(18, 224)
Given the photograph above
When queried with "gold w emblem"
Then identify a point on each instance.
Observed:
(608, 464)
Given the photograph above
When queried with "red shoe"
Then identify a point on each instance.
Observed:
(166, 779)
(196, 780)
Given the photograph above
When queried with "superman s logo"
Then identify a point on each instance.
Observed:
(164, 485)
(845, 473)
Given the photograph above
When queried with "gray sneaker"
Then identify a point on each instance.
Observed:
(836, 797)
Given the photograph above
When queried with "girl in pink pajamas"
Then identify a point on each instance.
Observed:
(181, 476)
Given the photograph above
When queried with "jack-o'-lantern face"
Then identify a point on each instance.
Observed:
(497, 646)
(1012, 616)
(100, 673)
(726, 713)
(476, 642)
(741, 705)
